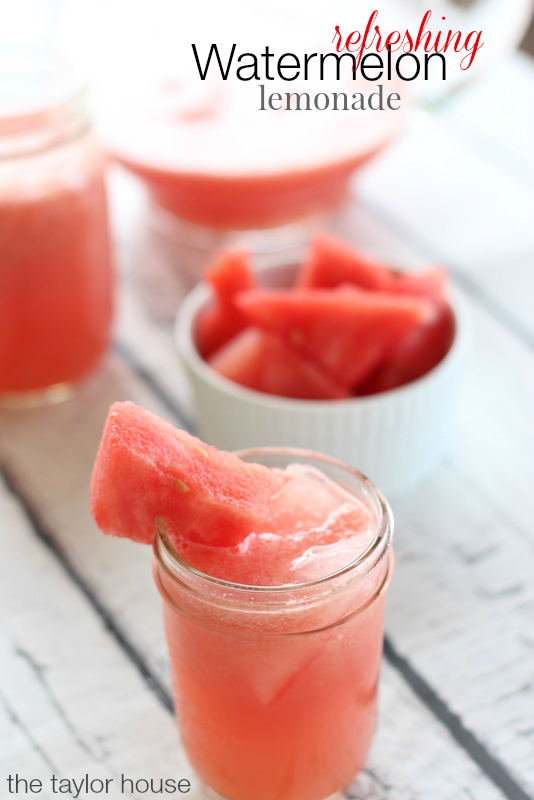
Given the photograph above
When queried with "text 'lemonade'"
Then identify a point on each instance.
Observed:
(274, 625)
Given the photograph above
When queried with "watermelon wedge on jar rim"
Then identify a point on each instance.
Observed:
(228, 517)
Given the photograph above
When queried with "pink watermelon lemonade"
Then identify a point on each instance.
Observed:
(56, 298)
(56, 277)
(273, 566)
(275, 642)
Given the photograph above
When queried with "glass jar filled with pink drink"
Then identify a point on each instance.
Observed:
(273, 565)
(55, 258)
(275, 686)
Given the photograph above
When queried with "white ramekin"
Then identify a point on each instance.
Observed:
(395, 438)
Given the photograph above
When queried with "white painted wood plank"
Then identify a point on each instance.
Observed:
(74, 704)
(118, 571)
(20, 754)
(496, 115)
(151, 286)
(404, 733)
(462, 603)
(494, 441)
(461, 608)
(72, 701)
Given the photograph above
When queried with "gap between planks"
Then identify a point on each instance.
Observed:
(42, 532)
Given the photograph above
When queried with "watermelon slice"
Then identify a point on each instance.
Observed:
(432, 282)
(348, 331)
(146, 469)
(229, 274)
(415, 355)
(332, 263)
(215, 326)
(263, 362)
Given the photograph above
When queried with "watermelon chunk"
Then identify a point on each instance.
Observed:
(219, 322)
(263, 362)
(215, 326)
(332, 263)
(146, 469)
(348, 331)
(415, 355)
(431, 282)
(229, 274)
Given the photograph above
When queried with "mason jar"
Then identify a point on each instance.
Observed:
(275, 687)
(55, 256)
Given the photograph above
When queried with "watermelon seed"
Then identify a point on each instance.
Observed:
(181, 486)
(202, 452)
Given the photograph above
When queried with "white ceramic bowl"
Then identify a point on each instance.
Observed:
(396, 437)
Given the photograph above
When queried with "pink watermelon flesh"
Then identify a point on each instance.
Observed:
(229, 274)
(348, 331)
(263, 362)
(148, 470)
(415, 355)
(431, 282)
(219, 322)
(332, 263)
(215, 326)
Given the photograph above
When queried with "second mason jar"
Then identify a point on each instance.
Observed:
(55, 255)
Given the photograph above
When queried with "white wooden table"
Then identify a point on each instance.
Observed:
(84, 682)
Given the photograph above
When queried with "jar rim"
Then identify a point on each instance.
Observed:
(43, 101)
(175, 565)
(35, 81)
